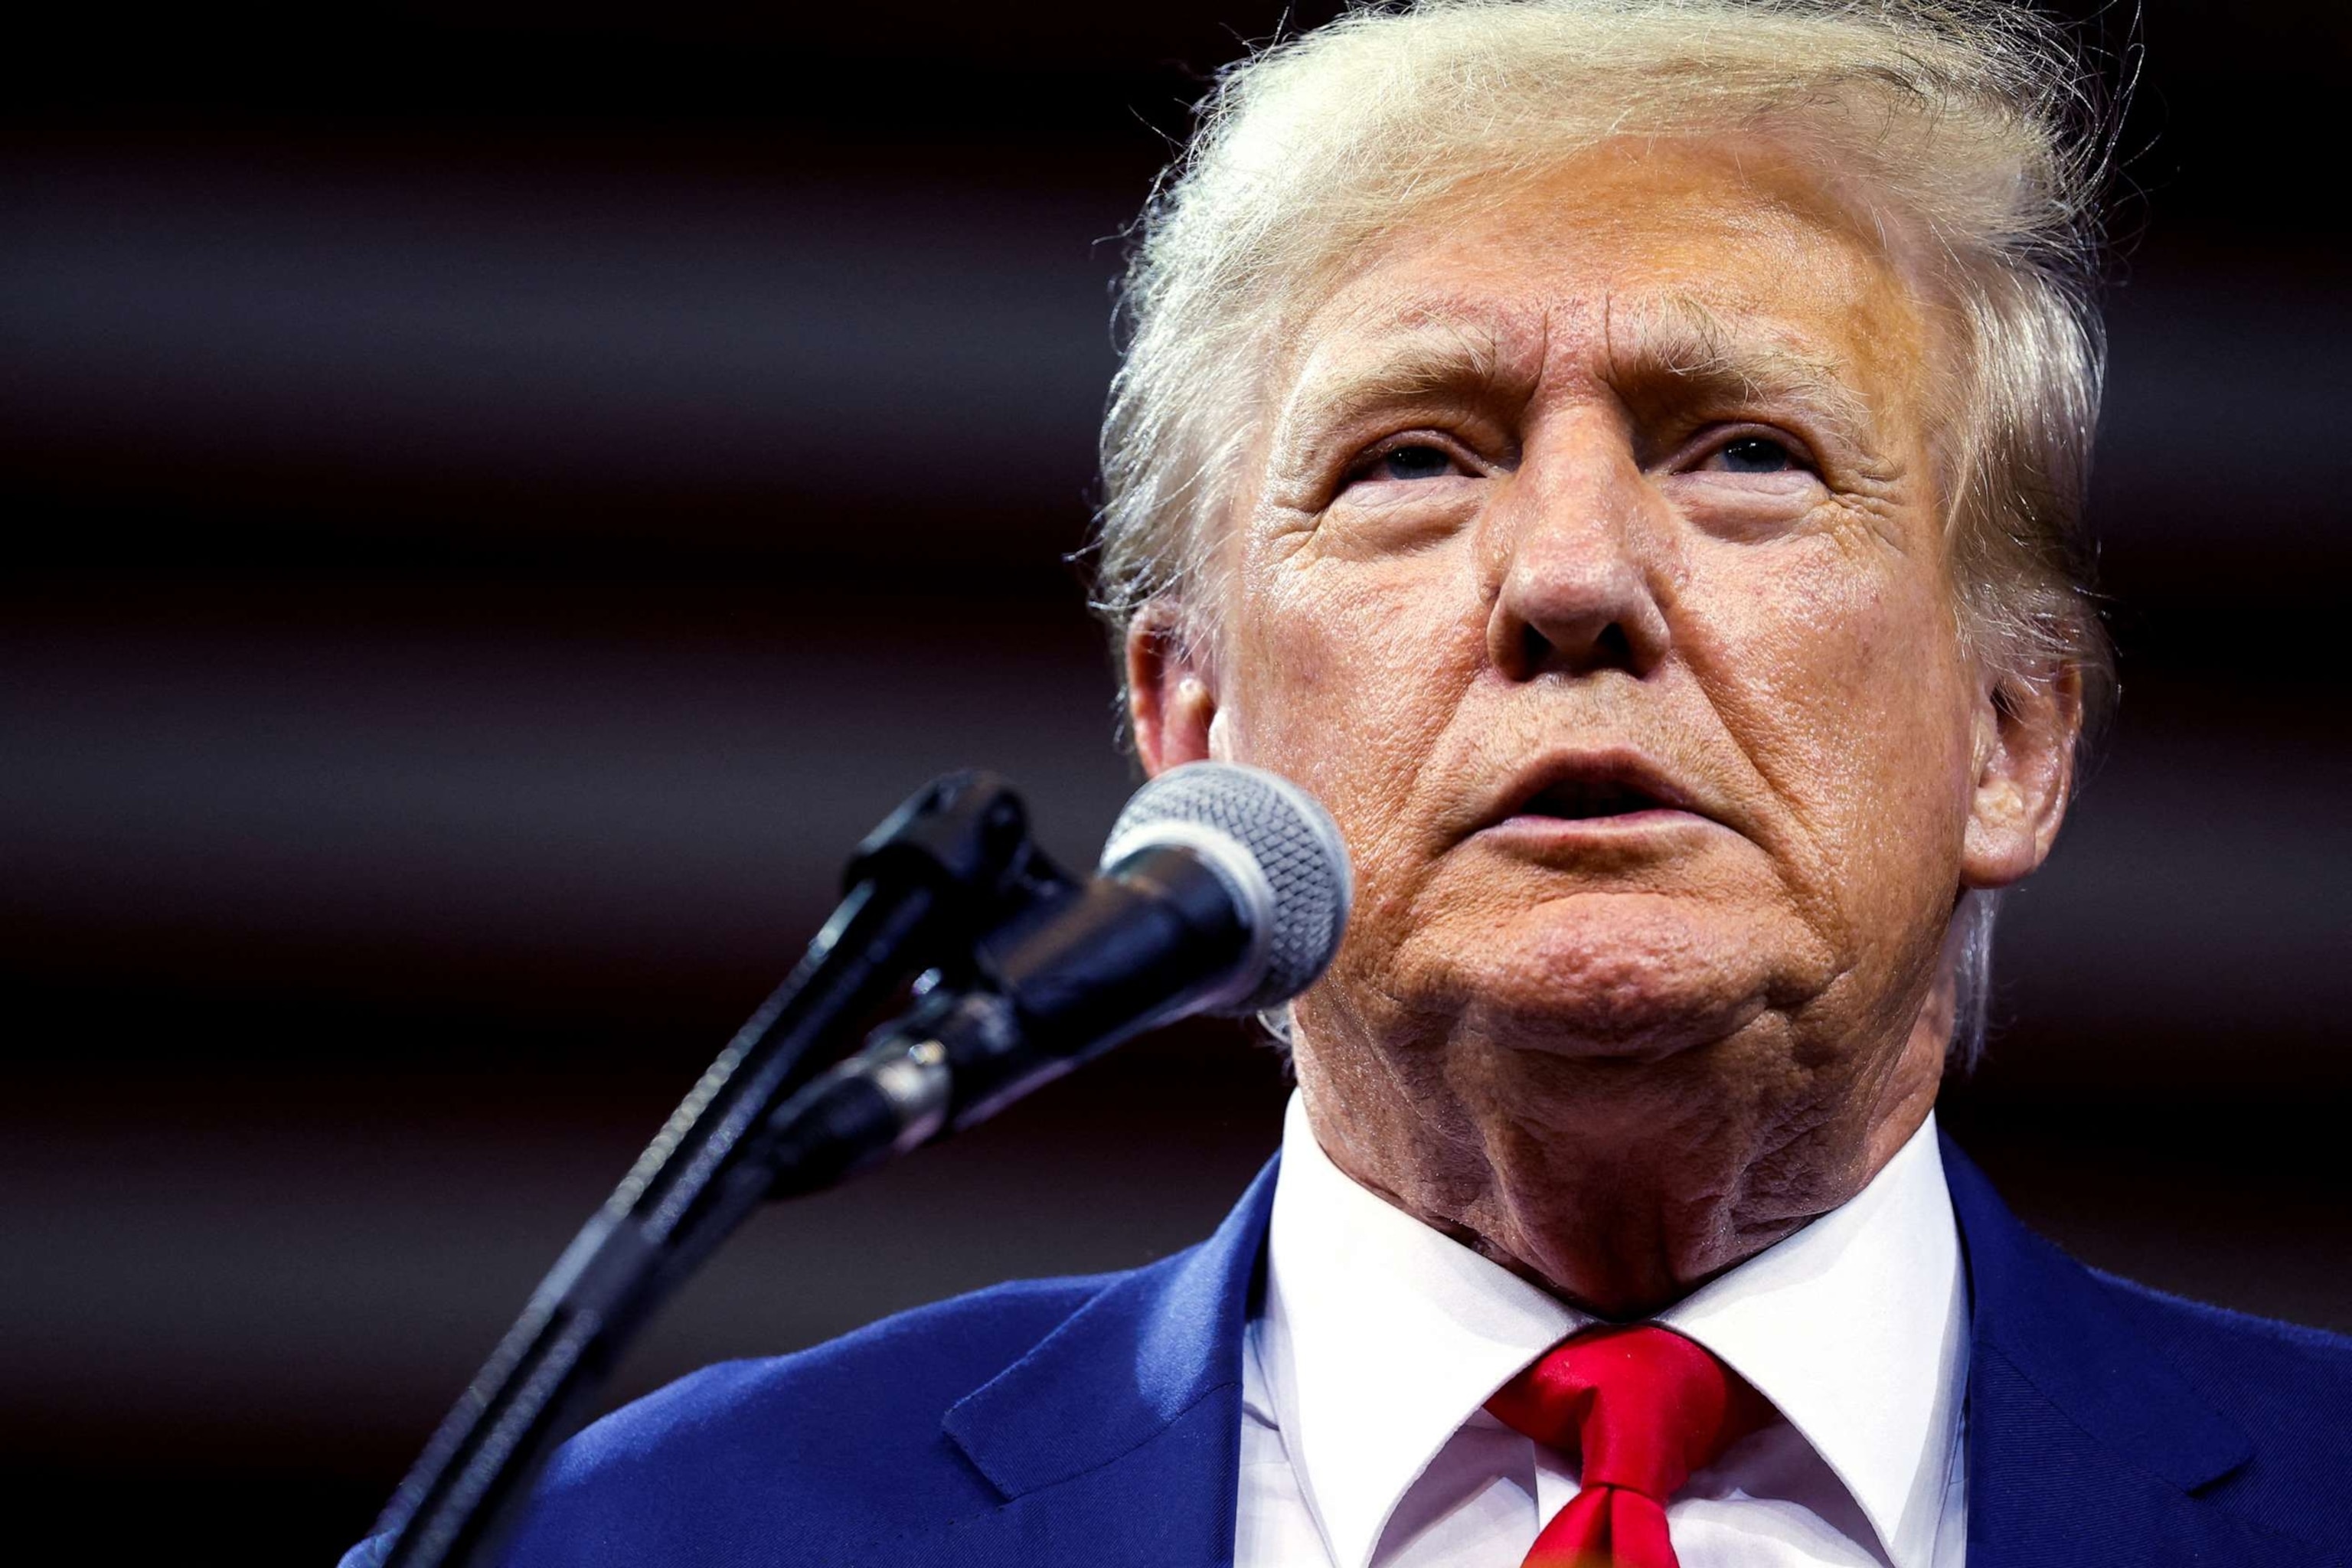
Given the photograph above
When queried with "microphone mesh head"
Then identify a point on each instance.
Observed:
(1294, 843)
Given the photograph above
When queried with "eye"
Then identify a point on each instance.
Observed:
(1756, 455)
(1415, 460)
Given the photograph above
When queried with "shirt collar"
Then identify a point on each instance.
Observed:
(1380, 1337)
(1856, 1329)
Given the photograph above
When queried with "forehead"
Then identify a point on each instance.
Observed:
(1677, 251)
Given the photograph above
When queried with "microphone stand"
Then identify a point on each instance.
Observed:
(950, 864)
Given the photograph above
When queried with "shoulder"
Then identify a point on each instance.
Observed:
(2238, 1352)
(2287, 1387)
(810, 1455)
(2247, 1419)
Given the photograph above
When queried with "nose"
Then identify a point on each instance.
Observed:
(1574, 551)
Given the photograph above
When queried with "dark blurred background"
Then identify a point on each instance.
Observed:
(498, 498)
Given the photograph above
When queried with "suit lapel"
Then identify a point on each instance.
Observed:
(1117, 1439)
(2085, 1446)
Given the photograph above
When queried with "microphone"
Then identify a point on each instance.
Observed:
(1222, 890)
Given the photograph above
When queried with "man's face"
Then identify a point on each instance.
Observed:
(1595, 578)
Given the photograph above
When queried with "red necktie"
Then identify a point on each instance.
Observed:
(1644, 1407)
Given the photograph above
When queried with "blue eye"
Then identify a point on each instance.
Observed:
(1757, 454)
(1413, 463)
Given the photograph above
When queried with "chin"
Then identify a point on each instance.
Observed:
(1633, 976)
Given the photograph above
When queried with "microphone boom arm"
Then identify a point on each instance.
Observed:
(951, 863)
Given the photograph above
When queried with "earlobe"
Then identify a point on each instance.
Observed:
(1171, 701)
(2025, 774)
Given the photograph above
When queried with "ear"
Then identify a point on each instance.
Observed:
(2026, 730)
(1171, 701)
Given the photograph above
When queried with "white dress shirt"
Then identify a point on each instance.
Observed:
(1365, 1442)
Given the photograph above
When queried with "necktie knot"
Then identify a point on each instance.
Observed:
(1642, 1408)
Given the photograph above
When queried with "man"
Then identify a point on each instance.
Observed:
(1625, 458)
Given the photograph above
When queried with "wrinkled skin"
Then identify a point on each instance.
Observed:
(1626, 473)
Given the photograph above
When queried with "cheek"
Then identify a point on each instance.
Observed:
(1345, 674)
(1845, 686)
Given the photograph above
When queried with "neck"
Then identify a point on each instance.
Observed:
(1620, 1185)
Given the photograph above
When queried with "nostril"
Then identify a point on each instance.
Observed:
(1535, 650)
(1565, 646)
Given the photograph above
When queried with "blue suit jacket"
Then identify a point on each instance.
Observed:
(1097, 1422)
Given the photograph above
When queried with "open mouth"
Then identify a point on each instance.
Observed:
(1596, 788)
(1585, 800)
(1588, 791)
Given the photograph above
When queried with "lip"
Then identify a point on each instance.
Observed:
(1665, 803)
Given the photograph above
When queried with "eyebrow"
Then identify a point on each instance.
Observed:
(1429, 355)
(1683, 343)
(1453, 350)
